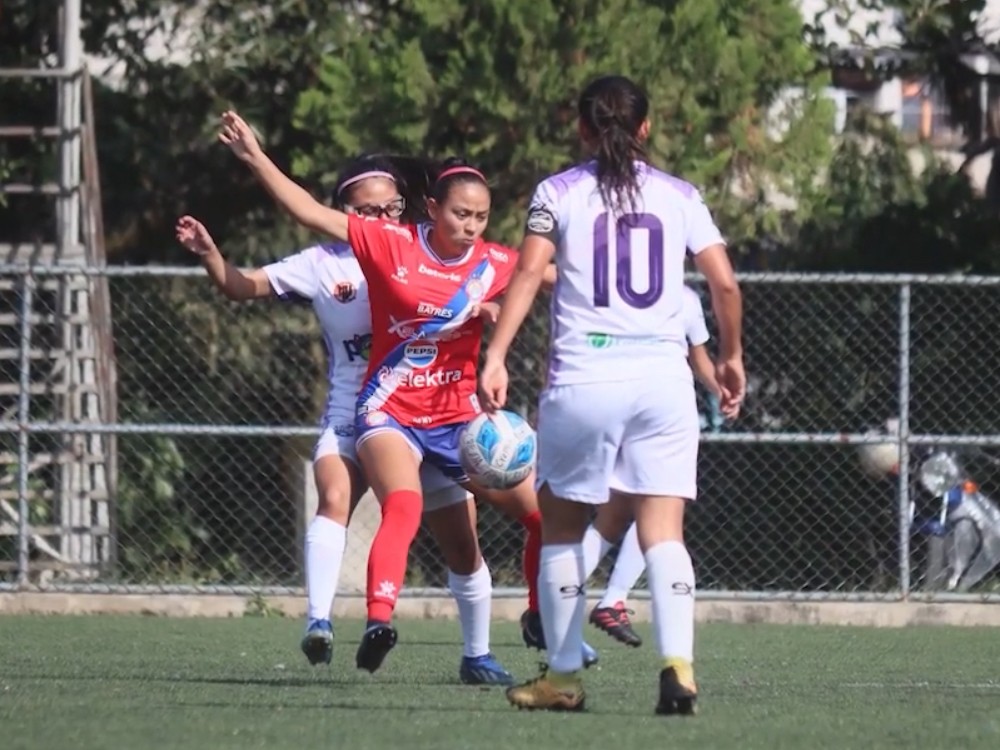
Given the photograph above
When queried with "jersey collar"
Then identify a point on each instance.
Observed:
(423, 231)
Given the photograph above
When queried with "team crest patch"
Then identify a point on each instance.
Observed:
(344, 291)
(376, 418)
(474, 289)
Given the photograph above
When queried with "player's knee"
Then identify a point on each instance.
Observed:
(334, 502)
(660, 519)
(402, 509)
(563, 521)
(462, 556)
(612, 521)
(453, 526)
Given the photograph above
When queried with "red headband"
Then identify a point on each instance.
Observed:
(460, 170)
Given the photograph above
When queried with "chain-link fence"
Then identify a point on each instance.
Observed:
(170, 451)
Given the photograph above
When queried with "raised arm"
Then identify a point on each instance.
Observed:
(305, 209)
(228, 279)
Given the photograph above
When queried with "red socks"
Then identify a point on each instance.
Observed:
(532, 524)
(387, 559)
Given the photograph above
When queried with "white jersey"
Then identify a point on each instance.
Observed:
(329, 276)
(695, 330)
(617, 309)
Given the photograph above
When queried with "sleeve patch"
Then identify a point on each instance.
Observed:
(540, 221)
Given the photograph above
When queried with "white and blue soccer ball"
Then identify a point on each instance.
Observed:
(498, 450)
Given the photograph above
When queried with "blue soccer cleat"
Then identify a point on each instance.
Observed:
(483, 670)
(317, 644)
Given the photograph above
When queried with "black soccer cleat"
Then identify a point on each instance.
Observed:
(615, 622)
(531, 630)
(377, 641)
(678, 692)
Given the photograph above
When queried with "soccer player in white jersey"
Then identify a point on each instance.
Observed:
(329, 277)
(618, 413)
(611, 613)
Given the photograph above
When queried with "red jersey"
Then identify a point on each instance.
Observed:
(425, 348)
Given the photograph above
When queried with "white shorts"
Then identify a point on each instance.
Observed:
(639, 437)
(439, 491)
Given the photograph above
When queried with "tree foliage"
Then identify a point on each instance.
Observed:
(498, 82)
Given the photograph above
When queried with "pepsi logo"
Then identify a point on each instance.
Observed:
(421, 354)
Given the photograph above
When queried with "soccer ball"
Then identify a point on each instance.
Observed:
(879, 459)
(497, 450)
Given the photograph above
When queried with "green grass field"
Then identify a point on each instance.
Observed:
(134, 682)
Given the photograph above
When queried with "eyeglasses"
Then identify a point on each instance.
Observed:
(391, 210)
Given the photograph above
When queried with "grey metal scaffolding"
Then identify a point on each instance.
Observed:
(64, 485)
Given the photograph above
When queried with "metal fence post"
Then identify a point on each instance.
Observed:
(23, 406)
(904, 440)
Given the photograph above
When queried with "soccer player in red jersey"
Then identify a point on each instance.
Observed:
(428, 285)
(329, 276)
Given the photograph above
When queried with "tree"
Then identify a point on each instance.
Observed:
(497, 82)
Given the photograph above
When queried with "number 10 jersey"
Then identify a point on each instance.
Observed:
(617, 310)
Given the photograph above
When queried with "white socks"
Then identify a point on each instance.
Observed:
(628, 568)
(562, 601)
(595, 547)
(474, 597)
(671, 586)
(324, 552)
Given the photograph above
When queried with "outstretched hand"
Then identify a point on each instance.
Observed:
(239, 136)
(194, 236)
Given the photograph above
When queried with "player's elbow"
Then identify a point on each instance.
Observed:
(724, 286)
(714, 263)
(238, 293)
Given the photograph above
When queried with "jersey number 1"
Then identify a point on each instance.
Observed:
(625, 225)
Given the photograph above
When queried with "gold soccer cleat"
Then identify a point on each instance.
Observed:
(678, 692)
(549, 692)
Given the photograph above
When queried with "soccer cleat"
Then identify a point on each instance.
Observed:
(678, 693)
(377, 641)
(317, 644)
(549, 692)
(531, 630)
(534, 637)
(614, 621)
(483, 670)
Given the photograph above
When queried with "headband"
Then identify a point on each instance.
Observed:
(460, 170)
(364, 176)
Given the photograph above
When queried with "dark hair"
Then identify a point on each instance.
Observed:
(454, 171)
(412, 177)
(612, 110)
